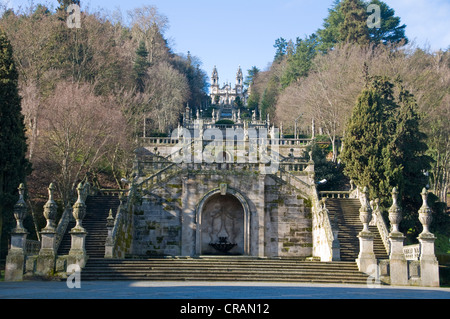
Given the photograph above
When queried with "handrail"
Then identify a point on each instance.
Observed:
(381, 225)
(62, 226)
(145, 181)
(112, 191)
(117, 225)
(282, 170)
(322, 231)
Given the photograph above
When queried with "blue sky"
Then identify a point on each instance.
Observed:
(230, 33)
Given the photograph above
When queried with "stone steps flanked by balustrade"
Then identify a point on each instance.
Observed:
(347, 213)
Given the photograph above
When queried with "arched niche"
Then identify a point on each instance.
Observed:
(223, 212)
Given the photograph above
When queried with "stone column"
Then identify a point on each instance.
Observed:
(47, 255)
(429, 267)
(189, 247)
(366, 259)
(397, 261)
(77, 253)
(15, 261)
(109, 244)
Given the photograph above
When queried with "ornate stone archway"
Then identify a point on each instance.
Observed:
(223, 212)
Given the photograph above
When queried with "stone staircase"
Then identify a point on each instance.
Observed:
(223, 269)
(347, 213)
(97, 210)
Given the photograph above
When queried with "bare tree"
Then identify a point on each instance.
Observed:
(328, 94)
(78, 127)
(148, 25)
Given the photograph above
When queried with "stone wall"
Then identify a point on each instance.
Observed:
(261, 215)
(157, 222)
(288, 222)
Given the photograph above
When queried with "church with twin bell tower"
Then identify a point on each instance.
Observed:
(228, 95)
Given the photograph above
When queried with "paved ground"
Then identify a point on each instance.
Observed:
(208, 290)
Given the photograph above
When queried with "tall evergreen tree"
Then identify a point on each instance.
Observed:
(269, 98)
(409, 149)
(384, 146)
(281, 47)
(391, 30)
(299, 64)
(250, 78)
(366, 136)
(354, 28)
(329, 34)
(333, 31)
(14, 166)
(140, 67)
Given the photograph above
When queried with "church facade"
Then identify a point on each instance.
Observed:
(226, 95)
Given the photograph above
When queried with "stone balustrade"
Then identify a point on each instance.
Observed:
(334, 194)
(32, 247)
(326, 244)
(270, 141)
(412, 252)
(407, 265)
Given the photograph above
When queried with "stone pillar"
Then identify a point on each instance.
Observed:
(189, 247)
(77, 253)
(15, 261)
(336, 245)
(366, 259)
(397, 261)
(109, 244)
(47, 255)
(429, 267)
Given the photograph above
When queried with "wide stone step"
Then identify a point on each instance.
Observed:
(217, 269)
(216, 278)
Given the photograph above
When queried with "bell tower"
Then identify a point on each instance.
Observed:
(239, 81)
(215, 80)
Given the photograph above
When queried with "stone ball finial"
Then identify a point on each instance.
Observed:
(79, 210)
(425, 213)
(50, 209)
(365, 212)
(395, 212)
(110, 219)
(20, 210)
(51, 189)
(21, 191)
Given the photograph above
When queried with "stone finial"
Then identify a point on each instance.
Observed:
(395, 212)
(20, 210)
(425, 213)
(50, 209)
(110, 219)
(79, 209)
(365, 212)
